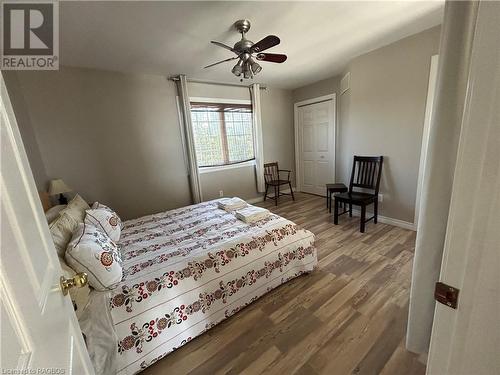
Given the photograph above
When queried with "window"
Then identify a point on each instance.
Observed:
(223, 133)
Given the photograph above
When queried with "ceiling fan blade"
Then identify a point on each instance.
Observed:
(268, 42)
(222, 45)
(271, 57)
(220, 62)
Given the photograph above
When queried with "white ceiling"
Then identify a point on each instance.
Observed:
(173, 37)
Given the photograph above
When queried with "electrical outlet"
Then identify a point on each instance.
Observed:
(381, 197)
(221, 193)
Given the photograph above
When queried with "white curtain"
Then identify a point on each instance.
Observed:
(258, 144)
(188, 136)
(454, 59)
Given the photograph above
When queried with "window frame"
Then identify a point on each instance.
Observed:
(238, 164)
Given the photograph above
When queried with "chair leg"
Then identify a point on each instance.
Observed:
(329, 200)
(291, 191)
(375, 212)
(362, 219)
(265, 195)
(276, 195)
(350, 209)
(335, 211)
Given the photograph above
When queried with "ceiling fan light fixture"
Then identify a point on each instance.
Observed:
(247, 72)
(238, 68)
(256, 68)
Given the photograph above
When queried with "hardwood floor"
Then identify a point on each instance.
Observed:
(347, 317)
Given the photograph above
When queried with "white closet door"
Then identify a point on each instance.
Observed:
(317, 146)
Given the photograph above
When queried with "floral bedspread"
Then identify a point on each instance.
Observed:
(186, 270)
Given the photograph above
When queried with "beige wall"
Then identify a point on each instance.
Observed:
(277, 128)
(383, 114)
(316, 89)
(112, 137)
(26, 129)
(115, 137)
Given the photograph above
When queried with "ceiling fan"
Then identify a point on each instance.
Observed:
(247, 52)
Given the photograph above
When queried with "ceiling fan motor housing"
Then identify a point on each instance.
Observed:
(242, 26)
(243, 45)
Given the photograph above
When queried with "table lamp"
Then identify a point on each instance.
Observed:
(59, 187)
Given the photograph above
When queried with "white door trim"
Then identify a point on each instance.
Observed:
(431, 89)
(463, 340)
(324, 98)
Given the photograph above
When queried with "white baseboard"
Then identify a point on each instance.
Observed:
(261, 198)
(388, 220)
(382, 219)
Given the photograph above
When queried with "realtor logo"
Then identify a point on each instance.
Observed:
(30, 35)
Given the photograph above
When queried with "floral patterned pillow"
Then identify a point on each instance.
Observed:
(99, 206)
(106, 220)
(93, 252)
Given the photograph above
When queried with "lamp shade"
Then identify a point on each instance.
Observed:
(58, 187)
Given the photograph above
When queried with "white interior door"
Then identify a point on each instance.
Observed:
(316, 140)
(39, 329)
(466, 341)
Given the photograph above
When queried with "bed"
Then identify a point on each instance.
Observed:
(184, 271)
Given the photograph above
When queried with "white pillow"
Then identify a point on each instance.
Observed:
(76, 208)
(79, 296)
(92, 251)
(61, 230)
(105, 220)
(97, 206)
(53, 212)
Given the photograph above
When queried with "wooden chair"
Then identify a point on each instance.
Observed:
(366, 173)
(272, 178)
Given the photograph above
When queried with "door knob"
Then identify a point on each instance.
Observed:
(79, 281)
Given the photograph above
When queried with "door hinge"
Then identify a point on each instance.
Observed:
(446, 294)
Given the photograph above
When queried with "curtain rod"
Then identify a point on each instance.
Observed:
(176, 78)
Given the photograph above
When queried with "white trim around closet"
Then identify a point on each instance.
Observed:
(296, 106)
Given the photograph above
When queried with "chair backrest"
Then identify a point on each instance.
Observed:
(366, 173)
(271, 172)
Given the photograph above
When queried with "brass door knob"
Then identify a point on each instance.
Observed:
(79, 280)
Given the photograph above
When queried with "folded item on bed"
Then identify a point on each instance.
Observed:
(252, 214)
(231, 204)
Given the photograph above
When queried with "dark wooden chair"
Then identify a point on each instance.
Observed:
(272, 179)
(366, 173)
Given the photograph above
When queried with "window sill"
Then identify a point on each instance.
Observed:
(249, 163)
